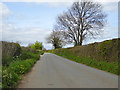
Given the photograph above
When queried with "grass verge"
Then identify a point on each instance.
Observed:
(12, 74)
(111, 67)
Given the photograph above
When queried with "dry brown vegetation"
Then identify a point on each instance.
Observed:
(10, 51)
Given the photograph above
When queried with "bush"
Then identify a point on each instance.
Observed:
(41, 52)
(28, 49)
(7, 60)
(9, 78)
(9, 52)
(103, 55)
(18, 50)
(28, 55)
(16, 65)
(37, 45)
(13, 73)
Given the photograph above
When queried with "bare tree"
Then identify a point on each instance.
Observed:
(56, 38)
(81, 20)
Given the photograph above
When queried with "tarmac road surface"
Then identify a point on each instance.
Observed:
(53, 71)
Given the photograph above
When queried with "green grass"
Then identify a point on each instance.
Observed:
(13, 73)
(16, 61)
(41, 52)
(111, 67)
(28, 55)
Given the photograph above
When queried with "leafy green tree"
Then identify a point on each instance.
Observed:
(37, 45)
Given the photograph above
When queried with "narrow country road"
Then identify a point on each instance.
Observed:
(53, 71)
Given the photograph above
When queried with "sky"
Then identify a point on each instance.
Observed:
(26, 22)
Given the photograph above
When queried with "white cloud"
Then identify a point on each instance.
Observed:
(30, 35)
(4, 11)
(10, 32)
(60, 4)
(54, 0)
(119, 32)
(108, 33)
(110, 6)
(25, 35)
(106, 1)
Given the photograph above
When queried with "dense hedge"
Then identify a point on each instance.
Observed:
(16, 62)
(12, 51)
(41, 52)
(103, 55)
(9, 52)
(102, 51)
(13, 73)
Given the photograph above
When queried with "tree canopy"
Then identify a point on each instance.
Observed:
(83, 19)
(56, 39)
(37, 45)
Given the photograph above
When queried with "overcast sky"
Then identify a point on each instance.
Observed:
(32, 21)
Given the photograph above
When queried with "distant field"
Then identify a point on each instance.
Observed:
(103, 55)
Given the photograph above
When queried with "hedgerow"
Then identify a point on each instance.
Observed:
(16, 64)
(13, 73)
(103, 55)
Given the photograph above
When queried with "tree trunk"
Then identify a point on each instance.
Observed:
(81, 38)
(75, 43)
(80, 41)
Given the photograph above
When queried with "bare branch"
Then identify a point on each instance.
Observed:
(82, 19)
